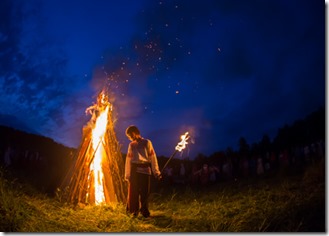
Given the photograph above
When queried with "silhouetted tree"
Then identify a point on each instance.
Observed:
(200, 159)
(265, 144)
(216, 158)
(243, 146)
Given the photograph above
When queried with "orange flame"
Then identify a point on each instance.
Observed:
(182, 144)
(98, 145)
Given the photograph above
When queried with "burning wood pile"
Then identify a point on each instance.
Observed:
(96, 175)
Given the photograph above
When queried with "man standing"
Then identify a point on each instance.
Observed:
(141, 162)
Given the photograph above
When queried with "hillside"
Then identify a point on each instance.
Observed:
(34, 158)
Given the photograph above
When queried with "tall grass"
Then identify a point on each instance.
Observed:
(291, 204)
(12, 209)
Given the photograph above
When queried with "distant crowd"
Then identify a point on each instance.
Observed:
(188, 172)
(242, 166)
(42, 169)
(15, 157)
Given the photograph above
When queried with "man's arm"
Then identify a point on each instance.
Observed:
(153, 159)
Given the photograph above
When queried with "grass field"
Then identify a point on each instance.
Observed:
(279, 203)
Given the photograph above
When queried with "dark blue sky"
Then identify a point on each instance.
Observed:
(219, 69)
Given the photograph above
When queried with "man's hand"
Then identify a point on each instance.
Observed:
(127, 179)
(158, 177)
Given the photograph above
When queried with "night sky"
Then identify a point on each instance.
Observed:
(220, 69)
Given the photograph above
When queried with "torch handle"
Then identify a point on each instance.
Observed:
(168, 161)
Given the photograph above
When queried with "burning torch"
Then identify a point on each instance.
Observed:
(180, 146)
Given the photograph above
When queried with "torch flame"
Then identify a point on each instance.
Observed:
(96, 166)
(182, 144)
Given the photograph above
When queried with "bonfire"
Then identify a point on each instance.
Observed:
(96, 176)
